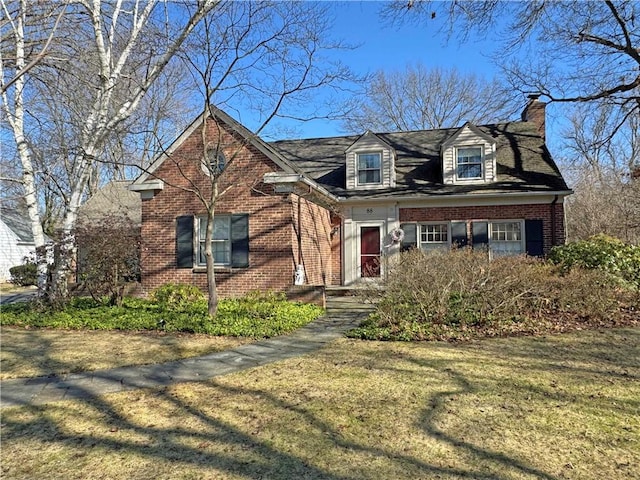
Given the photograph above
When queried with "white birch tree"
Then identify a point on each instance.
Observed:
(127, 63)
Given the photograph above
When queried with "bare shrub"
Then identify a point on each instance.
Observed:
(462, 293)
(108, 257)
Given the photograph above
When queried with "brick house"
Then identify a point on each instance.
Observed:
(339, 209)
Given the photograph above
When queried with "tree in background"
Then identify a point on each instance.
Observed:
(605, 172)
(570, 51)
(420, 98)
(574, 53)
(97, 69)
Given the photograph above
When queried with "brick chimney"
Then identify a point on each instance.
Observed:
(534, 112)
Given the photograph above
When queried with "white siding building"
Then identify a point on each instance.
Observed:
(16, 241)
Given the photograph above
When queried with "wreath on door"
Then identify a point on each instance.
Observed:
(397, 235)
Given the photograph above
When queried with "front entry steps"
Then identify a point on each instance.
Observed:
(348, 301)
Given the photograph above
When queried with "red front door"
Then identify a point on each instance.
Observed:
(370, 252)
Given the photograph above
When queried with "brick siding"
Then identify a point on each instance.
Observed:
(544, 212)
(314, 226)
(273, 252)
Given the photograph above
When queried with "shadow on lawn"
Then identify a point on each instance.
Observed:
(182, 444)
(35, 352)
(266, 461)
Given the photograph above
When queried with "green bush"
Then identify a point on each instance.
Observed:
(256, 315)
(261, 315)
(461, 294)
(603, 253)
(177, 296)
(24, 275)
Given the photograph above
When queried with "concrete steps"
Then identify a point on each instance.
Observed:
(345, 301)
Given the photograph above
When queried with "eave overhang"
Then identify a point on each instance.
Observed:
(502, 197)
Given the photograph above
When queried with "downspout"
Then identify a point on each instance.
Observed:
(299, 231)
(553, 220)
(299, 276)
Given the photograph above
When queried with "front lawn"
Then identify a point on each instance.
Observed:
(550, 407)
(31, 352)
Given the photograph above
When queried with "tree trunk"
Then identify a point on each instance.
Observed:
(212, 304)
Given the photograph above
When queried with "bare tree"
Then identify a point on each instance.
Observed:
(570, 51)
(15, 62)
(38, 48)
(266, 57)
(119, 45)
(419, 98)
(128, 148)
(604, 172)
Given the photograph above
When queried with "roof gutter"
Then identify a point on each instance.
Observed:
(147, 189)
(285, 182)
(408, 198)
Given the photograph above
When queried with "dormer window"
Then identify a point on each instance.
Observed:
(469, 157)
(370, 164)
(369, 168)
(469, 163)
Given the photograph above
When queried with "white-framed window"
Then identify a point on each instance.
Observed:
(469, 163)
(506, 238)
(369, 168)
(221, 244)
(434, 236)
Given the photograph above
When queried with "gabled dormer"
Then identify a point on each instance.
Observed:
(370, 164)
(469, 157)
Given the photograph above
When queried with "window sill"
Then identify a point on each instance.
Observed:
(370, 186)
(216, 269)
(472, 181)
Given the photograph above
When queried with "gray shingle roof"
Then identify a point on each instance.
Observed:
(523, 161)
(18, 223)
(114, 198)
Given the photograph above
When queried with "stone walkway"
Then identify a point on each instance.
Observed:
(21, 295)
(40, 390)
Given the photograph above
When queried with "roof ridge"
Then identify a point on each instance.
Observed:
(399, 132)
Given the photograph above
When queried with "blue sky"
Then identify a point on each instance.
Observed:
(392, 48)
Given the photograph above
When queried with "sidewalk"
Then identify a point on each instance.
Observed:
(40, 390)
(19, 295)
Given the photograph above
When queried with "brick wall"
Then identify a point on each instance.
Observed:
(313, 223)
(544, 212)
(271, 254)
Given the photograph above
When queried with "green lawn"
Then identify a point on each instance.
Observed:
(554, 407)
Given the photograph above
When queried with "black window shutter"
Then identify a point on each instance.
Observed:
(459, 234)
(184, 241)
(240, 240)
(410, 237)
(534, 237)
(480, 234)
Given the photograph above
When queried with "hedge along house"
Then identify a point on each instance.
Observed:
(338, 210)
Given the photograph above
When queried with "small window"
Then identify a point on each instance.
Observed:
(221, 244)
(369, 168)
(216, 161)
(434, 236)
(469, 162)
(506, 238)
